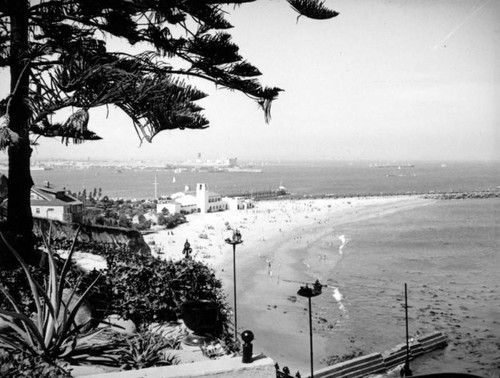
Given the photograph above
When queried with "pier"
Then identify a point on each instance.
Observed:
(264, 194)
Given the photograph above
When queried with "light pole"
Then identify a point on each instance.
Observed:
(406, 371)
(235, 240)
(308, 292)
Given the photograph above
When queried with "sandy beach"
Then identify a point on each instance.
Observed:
(268, 223)
(269, 262)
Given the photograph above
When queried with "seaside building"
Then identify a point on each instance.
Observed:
(52, 203)
(238, 203)
(170, 206)
(201, 200)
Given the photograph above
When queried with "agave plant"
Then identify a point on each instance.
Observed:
(145, 349)
(52, 332)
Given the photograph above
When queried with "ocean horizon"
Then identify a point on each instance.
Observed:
(306, 178)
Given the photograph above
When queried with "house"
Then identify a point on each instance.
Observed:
(52, 203)
(170, 206)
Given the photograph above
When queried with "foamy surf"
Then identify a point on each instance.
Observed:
(337, 295)
(344, 241)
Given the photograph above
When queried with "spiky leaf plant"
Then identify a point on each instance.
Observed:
(52, 332)
(146, 349)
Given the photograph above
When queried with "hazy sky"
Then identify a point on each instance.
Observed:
(385, 80)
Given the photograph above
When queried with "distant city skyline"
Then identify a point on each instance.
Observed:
(386, 80)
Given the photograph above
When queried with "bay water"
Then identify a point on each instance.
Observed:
(303, 178)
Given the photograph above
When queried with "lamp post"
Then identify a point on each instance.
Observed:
(235, 240)
(187, 250)
(308, 292)
(406, 371)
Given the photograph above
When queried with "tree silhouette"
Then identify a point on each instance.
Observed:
(58, 59)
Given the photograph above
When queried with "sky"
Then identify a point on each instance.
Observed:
(386, 80)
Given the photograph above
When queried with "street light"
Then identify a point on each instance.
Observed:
(406, 371)
(235, 240)
(187, 250)
(308, 292)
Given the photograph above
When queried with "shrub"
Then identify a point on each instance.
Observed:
(136, 285)
(171, 221)
(146, 349)
(145, 289)
(17, 365)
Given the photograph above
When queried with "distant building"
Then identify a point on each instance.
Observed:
(52, 203)
(238, 203)
(208, 201)
(169, 206)
(202, 200)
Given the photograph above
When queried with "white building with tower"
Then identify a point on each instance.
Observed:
(201, 200)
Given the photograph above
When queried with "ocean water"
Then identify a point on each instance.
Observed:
(448, 253)
(313, 178)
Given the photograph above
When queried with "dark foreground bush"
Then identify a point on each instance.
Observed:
(147, 289)
(136, 286)
(17, 365)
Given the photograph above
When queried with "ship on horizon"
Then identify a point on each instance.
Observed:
(397, 166)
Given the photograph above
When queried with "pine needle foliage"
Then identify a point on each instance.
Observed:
(70, 66)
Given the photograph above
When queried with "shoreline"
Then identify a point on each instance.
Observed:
(270, 262)
(206, 232)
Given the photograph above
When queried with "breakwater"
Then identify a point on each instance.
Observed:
(379, 363)
(483, 194)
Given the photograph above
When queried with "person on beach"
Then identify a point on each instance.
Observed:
(269, 268)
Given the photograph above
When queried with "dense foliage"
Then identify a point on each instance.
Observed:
(144, 288)
(104, 211)
(136, 286)
(17, 365)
